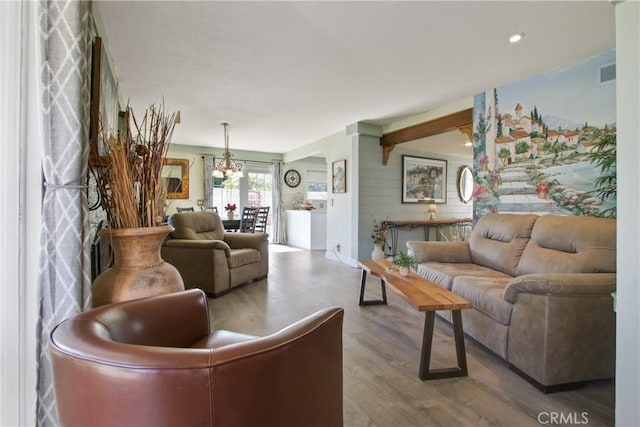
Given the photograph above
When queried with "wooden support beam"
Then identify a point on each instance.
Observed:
(461, 120)
(467, 130)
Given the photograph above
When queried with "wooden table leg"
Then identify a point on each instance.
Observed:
(383, 290)
(427, 339)
(458, 334)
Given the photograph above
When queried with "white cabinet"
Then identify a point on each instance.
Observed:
(307, 229)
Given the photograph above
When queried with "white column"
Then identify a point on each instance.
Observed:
(628, 278)
(362, 135)
(20, 186)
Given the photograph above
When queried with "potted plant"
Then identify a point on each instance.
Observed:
(128, 179)
(230, 208)
(379, 237)
(405, 261)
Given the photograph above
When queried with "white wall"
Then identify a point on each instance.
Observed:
(339, 205)
(317, 148)
(628, 278)
(302, 166)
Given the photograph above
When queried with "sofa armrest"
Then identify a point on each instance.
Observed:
(197, 244)
(561, 284)
(439, 251)
(246, 240)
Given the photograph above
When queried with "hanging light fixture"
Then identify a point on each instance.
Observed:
(227, 167)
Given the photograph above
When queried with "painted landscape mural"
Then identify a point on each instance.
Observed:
(548, 144)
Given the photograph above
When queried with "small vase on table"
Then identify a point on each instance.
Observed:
(229, 215)
(377, 253)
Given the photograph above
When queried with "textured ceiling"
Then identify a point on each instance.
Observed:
(285, 74)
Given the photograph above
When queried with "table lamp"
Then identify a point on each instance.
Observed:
(432, 210)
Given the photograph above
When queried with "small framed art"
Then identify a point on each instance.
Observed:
(424, 180)
(339, 176)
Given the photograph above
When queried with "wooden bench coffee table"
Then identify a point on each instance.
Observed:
(425, 296)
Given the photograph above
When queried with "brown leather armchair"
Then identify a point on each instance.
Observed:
(209, 258)
(155, 362)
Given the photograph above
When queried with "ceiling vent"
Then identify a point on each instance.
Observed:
(607, 73)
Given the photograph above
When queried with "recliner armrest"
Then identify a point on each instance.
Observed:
(196, 244)
(439, 251)
(245, 240)
(561, 284)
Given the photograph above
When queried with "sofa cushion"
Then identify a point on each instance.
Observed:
(196, 226)
(497, 240)
(244, 256)
(486, 295)
(570, 244)
(443, 273)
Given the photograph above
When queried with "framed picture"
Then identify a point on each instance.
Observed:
(104, 114)
(339, 176)
(175, 174)
(424, 180)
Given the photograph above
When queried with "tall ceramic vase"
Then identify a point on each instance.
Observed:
(138, 270)
(377, 253)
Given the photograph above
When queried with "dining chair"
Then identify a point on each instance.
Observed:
(248, 220)
(213, 209)
(261, 219)
(189, 209)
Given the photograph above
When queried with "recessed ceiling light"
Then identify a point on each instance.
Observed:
(516, 38)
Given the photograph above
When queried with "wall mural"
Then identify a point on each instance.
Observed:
(548, 144)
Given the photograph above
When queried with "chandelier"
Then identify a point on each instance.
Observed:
(227, 167)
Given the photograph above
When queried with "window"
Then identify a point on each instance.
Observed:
(316, 185)
(252, 190)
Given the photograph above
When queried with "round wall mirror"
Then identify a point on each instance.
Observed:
(465, 183)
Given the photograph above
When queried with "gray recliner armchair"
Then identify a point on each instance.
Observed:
(209, 258)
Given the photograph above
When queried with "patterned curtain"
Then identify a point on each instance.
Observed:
(279, 230)
(64, 283)
(208, 180)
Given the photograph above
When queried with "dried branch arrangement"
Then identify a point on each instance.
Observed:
(129, 178)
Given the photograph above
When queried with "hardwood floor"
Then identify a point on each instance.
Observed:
(382, 350)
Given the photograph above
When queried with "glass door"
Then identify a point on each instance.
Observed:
(254, 189)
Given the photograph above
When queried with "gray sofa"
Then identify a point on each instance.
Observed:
(541, 289)
(211, 259)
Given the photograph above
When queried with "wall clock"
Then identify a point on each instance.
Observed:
(292, 178)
